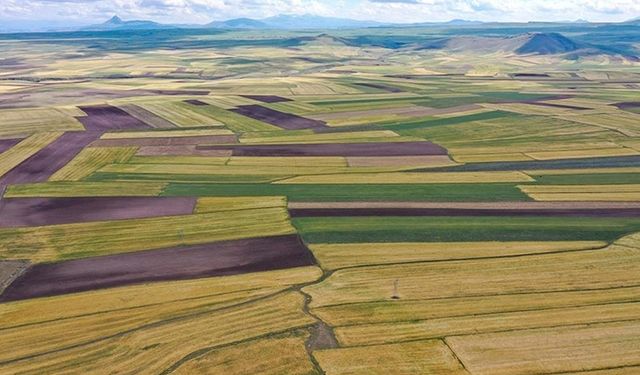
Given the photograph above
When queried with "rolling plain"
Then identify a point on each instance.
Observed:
(368, 201)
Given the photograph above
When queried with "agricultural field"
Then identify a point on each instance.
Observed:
(359, 201)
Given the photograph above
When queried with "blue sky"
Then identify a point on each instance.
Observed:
(79, 12)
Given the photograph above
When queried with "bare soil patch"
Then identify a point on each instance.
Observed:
(105, 118)
(26, 212)
(281, 119)
(335, 149)
(196, 102)
(379, 86)
(267, 98)
(6, 144)
(179, 263)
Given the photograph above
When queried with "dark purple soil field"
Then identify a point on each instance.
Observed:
(380, 87)
(39, 167)
(196, 102)
(559, 106)
(565, 212)
(335, 149)
(107, 118)
(267, 98)
(169, 141)
(283, 120)
(99, 119)
(628, 105)
(180, 263)
(28, 212)
(179, 92)
(6, 144)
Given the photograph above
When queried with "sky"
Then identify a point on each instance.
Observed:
(68, 13)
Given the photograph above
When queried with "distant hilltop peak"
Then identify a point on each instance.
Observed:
(548, 44)
(115, 20)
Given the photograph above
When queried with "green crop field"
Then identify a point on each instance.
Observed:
(244, 198)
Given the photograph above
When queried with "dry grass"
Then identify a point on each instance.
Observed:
(403, 310)
(147, 348)
(614, 267)
(425, 357)
(553, 350)
(474, 324)
(271, 356)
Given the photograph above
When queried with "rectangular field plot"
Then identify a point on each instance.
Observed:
(622, 193)
(425, 357)
(178, 263)
(17, 123)
(456, 229)
(181, 114)
(555, 350)
(85, 189)
(615, 267)
(335, 256)
(90, 160)
(412, 178)
(284, 354)
(68, 241)
(358, 192)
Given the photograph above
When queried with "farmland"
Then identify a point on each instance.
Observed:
(359, 201)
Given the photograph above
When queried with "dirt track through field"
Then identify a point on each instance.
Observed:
(335, 149)
(25, 212)
(283, 120)
(178, 263)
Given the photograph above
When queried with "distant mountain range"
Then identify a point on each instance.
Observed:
(291, 22)
(116, 23)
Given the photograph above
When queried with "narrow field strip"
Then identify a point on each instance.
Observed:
(33, 212)
(475, 324)
(412, 178)
(426, 357)
(82, 240)
(337, 256)
(408, 310)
